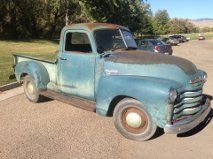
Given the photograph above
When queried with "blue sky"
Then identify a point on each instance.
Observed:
(192, 9)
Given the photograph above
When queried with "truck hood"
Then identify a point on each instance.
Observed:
(142, 63)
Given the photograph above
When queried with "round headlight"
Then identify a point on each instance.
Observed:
(172, 95)
(205, 76)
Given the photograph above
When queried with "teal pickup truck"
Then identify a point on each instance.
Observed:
(99, 68)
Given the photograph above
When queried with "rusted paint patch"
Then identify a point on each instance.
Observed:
(72, 100)
(92, 26)
(95, 26)
(143, 57)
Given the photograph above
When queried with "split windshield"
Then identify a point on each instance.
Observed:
(113, 39)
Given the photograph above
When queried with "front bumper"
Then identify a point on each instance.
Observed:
(179, 127)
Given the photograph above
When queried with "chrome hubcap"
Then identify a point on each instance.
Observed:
(30, 88)
(134, 120)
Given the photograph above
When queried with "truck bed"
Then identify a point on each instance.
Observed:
(49, 65)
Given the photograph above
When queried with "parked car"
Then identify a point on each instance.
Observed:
(180, 38)
(201, 37)
(99, 68)
(188, 38)
(170, 40)
(177, 37)
(184, 39)
(154, 45)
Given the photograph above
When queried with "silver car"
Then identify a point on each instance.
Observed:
(154, 45)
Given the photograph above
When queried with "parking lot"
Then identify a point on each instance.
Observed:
(56, 130)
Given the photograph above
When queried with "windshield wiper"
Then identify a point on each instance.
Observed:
(106, 54)
(117, 49)
(131, 48)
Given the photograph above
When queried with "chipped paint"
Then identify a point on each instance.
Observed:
(94, 26)
(143, 57)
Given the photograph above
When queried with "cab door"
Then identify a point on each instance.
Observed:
(76, 65)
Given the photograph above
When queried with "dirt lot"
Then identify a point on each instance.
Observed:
(56, 130)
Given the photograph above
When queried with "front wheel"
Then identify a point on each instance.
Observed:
(133, 121)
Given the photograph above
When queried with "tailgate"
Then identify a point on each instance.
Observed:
(165, 48)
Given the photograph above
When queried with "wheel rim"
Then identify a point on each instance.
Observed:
(134, 120)
(30, 89)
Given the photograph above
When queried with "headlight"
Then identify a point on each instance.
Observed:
(172, 95)
(205, 76)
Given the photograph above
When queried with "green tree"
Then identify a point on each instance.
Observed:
(129, 13)
(161, 22)
(45, 18)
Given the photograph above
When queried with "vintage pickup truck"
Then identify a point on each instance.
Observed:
(99, 68)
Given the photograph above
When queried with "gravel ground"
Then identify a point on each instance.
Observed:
(55, 130)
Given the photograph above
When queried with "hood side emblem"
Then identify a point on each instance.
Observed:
(111, 72)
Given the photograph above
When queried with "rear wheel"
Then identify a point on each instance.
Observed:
(133, 121)
(30, 89)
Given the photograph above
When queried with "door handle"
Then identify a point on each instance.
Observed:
(61, 58)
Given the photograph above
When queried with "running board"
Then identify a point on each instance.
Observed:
(72, 100)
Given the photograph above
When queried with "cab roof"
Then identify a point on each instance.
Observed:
(94, 26)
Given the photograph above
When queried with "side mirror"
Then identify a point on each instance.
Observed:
(100, 50)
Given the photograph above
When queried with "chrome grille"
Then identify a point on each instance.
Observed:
(188, 103)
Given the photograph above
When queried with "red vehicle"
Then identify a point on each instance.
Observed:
(201, 37)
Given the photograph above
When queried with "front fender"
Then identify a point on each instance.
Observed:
(152, 92)
(35, 70)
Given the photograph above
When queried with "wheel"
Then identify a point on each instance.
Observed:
(133, 121)
(30, 89)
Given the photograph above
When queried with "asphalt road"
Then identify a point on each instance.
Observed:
(56, 130)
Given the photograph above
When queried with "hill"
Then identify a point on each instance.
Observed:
(203, 22)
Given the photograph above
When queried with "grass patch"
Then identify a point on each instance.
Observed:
(194, 36)
(38, 48)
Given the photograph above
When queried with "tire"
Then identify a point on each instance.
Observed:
(133, 121)
(30, 89)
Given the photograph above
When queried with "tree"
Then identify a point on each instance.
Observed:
(180, 26)
(161, 22)
(145, 26)
(45, 18)
(129, 13)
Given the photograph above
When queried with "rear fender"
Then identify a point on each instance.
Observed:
(36, 70)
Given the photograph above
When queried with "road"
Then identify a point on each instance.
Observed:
(56, 130)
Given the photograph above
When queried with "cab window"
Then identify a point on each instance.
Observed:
(77, 42)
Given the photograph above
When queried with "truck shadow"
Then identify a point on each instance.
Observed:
(195, 130)
(201, 126)
(198, 128)
(45, 99)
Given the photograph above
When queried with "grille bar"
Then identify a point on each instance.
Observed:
(191, 105)
(187, 104)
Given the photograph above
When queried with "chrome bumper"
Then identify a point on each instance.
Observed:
(178, 127)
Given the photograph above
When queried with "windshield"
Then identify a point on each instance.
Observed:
(130, 42)
(157, 42)
(112, 39)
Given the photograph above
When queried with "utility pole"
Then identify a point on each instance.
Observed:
(66, 15)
